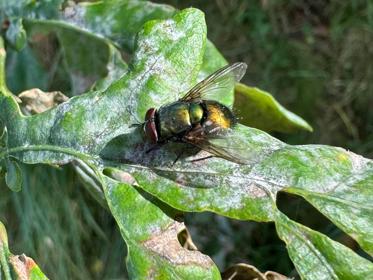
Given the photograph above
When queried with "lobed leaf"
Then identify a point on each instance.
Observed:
(75, 129)
(318, 257)
(123, 20)
(13, 175)
(337, 182)
(257, 108)
(97, 125)
(150, 232)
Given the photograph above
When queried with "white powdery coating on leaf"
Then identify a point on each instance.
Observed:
(169, 28)
(74, 14)
(358, 162)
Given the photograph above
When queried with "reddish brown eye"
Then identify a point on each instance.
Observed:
(150, 127)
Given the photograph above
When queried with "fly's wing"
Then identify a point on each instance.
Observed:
(217, 84)
(222, 143)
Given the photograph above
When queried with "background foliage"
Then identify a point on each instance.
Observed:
(313, 58)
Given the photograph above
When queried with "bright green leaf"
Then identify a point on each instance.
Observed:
(75, 130)
(348, 204)
(257, 108)
(13, 175)
(151, 236)
(329, 178)
(167, 61)
(123, 19)
(318, 257)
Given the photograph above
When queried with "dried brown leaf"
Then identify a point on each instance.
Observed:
(22, 266)
(167, 245)
(242, 271)
(36, 101)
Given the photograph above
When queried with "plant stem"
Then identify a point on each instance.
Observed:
(3, 88)
(52, 148)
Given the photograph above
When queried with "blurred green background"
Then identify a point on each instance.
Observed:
(315, 57)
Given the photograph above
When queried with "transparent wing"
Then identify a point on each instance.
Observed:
(221, 143)
(217, 84)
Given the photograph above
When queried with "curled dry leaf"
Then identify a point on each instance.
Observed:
(36, 101)
(186, 240)
(242, 271)
(167, 245)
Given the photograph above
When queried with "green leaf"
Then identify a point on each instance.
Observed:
(13, 175)
(16, 34)
(4, 252)
(116, 68)
(151, 236)
(318, 257)
(257, 108)
(328, 177)
(75, 129)
(31, 9)
(84, 55)
(123, 19)
(97, 125)
(30, 72)
(348, 205)
(73, 124)
(3, 138)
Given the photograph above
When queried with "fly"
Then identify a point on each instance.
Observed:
(198, 118)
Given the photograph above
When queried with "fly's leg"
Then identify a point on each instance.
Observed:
(202, 158)
(136, 124)
(178, 157)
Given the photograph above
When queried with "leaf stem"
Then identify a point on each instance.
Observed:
(51, 148)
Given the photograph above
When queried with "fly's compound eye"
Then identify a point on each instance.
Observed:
(150, 126)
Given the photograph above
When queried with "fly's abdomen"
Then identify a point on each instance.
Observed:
(196, 113)
(218, 116)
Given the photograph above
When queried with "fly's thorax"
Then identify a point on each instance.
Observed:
(173, 119)
(217, 115)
